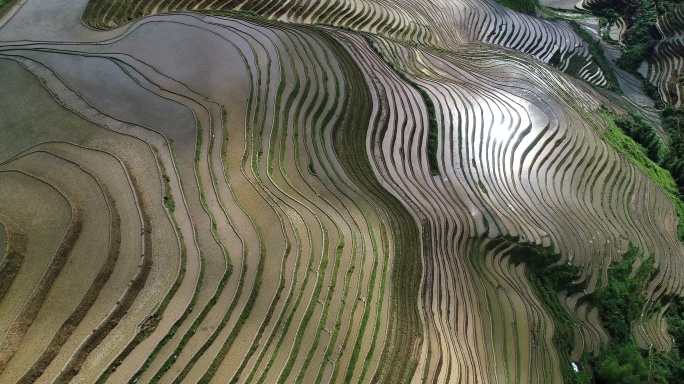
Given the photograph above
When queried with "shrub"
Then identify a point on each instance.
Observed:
(527, 7)
(623, 364)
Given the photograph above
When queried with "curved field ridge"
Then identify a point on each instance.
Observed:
(294, 279)
(667, 64)
(14, 254)
(515, 158)
(443, 24)
(226, 197)
(68, 319)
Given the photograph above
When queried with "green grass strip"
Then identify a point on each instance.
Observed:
(637, 155)
(528, 7)
(433, 127)
(599, 56)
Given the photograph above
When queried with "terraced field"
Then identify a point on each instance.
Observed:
(3, 241)
(301, 192)
(667, 68)
(662, 61)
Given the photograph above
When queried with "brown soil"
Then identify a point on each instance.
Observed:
(16, 244)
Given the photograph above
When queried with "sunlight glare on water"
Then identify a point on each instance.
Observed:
(500, 132)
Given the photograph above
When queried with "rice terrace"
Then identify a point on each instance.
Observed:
(341, 191)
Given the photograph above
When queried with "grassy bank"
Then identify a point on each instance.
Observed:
(620, 303)
(6, 5)
(652, 157)
(398, 361)
(599, 57)
(527, 7)
(547, 278)
(433, 127)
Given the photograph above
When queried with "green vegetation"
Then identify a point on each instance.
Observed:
(663, 162)
(622, 300)
(621, 140)
(673, 160)
(405, 329)
(645, 135)
(366, 313)
(622, 363)
(650, 154)
(6, 5)
(547, 278)
(222, 283)
(641, 34)
(599, 57)
(242, 12)
(652, 92)
(670, 159)
(635, 153)
(433, 130)
(620, 304)
(527, 7)
(151, 323)
(168, 199)
(433, 127)
(669, 367)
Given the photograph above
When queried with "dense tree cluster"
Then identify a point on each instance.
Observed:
(527, 7)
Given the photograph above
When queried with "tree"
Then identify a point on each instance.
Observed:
(623, 365)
